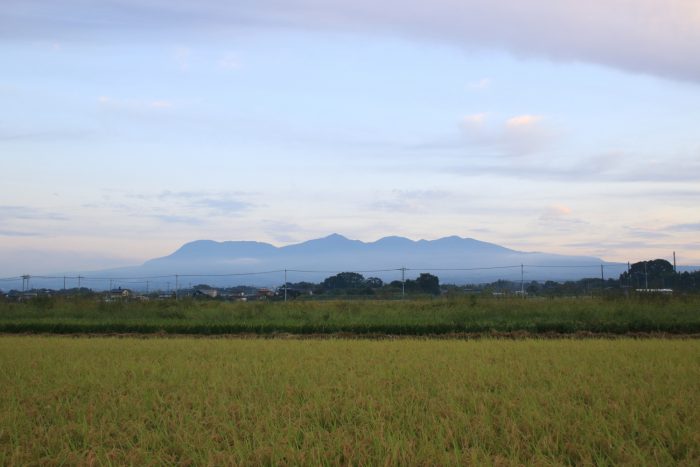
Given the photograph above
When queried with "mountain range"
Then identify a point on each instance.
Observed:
(453, 259)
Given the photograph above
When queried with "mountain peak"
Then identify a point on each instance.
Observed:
(393, 241)
(394, 238)
(334, 236)
(208, 249)
(452, 238)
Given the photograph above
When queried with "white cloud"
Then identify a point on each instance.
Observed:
(411, 201)
(559, 217)
(522, 121)
(474, 119)
(18, 233)
(556, 211)
(10, 213)
(204, 202)
(524, 134)
(689, 227)
(515, 136)
(660, 37)
(473, 125)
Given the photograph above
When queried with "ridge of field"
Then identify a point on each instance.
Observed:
(190, 401)
(675, 315)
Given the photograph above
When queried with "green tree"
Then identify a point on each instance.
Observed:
(344, 281)
(428, 283)
(374, 283)
(654, 274)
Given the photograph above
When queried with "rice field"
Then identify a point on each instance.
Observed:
(677, 315)
(187, 401)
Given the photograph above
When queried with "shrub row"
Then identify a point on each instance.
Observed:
(361, 329)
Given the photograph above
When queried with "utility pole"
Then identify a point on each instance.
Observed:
(177, 284)
(674, 263)
(25, 279)
(403, 283)
(64, 283)
(522, 280)
(602, 278)
(285, 285)
(629, 275)
(646, 276)
(147, 287)
(79, 278)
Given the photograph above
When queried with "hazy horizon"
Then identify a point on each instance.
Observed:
(129, 128)
(250, 263)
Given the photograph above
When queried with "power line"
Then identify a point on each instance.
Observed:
(338, 271)
(232, 274)
(571, 266)
(403, 270)
(464, 269)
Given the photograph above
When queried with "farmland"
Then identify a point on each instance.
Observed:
(254, 401)
(638, 314)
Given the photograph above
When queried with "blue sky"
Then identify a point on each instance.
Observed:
(128, 128)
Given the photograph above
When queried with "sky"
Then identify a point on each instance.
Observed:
(130, 127)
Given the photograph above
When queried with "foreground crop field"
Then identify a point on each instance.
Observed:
(677, 315)
(253, 401)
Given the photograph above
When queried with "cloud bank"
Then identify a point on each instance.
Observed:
(658, 37)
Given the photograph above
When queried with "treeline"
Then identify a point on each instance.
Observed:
(648, 276)
(656, 276)
(355, 284)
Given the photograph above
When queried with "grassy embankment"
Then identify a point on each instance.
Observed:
(252, 402)
(412, 317)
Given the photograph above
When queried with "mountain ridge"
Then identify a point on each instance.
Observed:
(454, 259)
(333, 240)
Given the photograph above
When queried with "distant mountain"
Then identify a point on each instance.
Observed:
(453, 259)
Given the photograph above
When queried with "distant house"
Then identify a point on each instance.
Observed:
(265, 293)
(120, 294)
(656, 291)
(236, 297)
